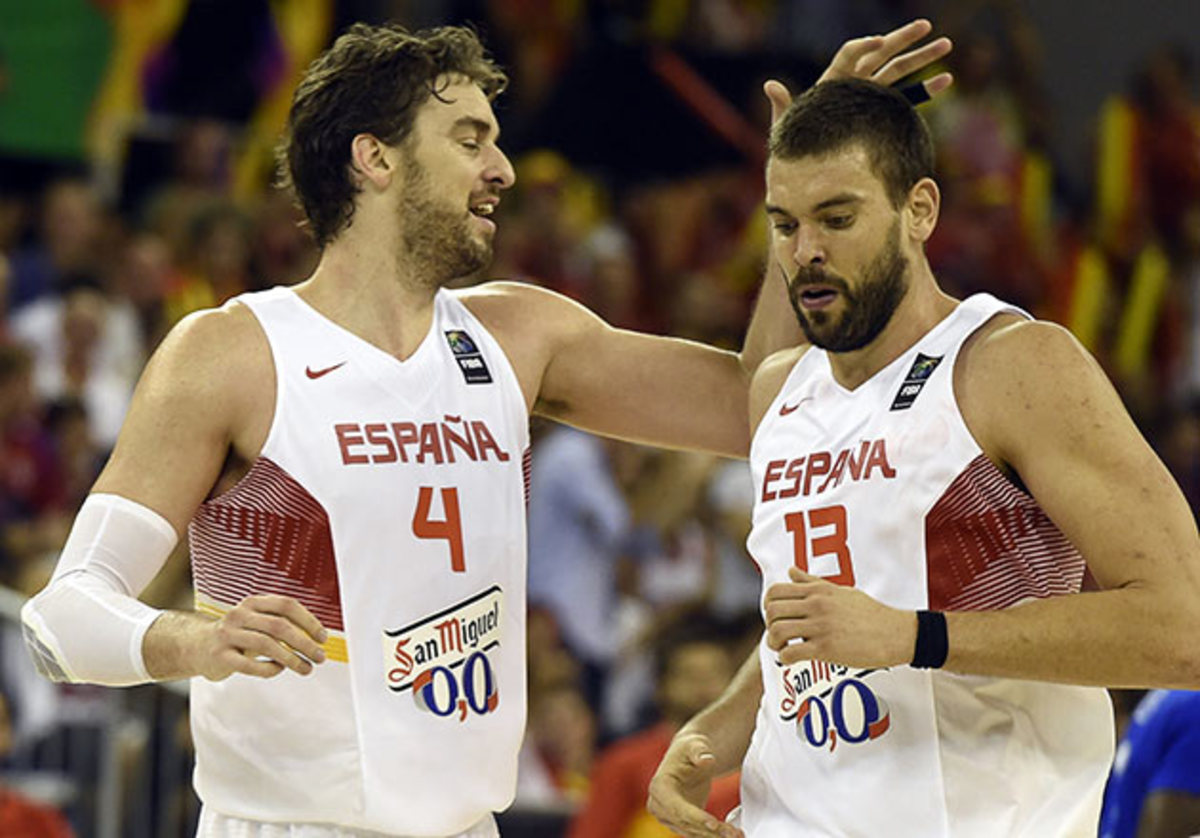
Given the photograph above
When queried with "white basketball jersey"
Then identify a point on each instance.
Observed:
(885, 489)
(389, 499)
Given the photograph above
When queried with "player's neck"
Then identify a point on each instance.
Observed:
(923, 307)
(368, 292)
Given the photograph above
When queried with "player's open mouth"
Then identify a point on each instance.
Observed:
(817, 297)
(483, 211)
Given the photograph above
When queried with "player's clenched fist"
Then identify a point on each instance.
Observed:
(680, 787)
(261, 636)
(836, 623)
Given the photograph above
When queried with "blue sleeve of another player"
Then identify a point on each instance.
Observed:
(1179, 768)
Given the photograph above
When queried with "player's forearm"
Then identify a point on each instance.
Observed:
(728, 723)
(773, 324)
(1131, 638)
(171, 648)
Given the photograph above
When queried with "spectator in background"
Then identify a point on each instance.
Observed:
(1169, 136)
(280, 250)
(578, 524)
(32, 491)
(556, 756)
(79, 457)
(146, 271)
(215, 262)
(69, 238)
(693, 667)
(1147, 197)
(200, 177)
(20, 815)
(1154, 789)
(608, 278)
(729, 503)
(984, 146)
(86, 344)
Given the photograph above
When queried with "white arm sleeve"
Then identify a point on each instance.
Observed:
(87, 625)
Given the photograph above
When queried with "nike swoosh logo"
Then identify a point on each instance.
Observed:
(785, 408)
(311, 373)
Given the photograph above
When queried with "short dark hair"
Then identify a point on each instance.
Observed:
(836, 114)
(372, 80)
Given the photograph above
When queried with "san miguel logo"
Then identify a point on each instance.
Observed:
(443, 658)
(830, 704)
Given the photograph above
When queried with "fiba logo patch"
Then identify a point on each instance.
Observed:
(831, 705)
(918, 374)
(470, 360)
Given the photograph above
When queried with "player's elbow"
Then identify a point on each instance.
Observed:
(80, 630)
(1177, 629)
(40, 630)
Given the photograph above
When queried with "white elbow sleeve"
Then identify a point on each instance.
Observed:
(87, 625)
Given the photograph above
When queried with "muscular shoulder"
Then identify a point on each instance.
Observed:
(215, 358)
(512, 309)
(768, 380)
(1015, 375)
(531, 324)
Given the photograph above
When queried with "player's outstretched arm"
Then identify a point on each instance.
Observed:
(200, 397)
(713, 743)
(1039, 404)
(663, 391)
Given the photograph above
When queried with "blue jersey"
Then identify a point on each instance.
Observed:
(1160, 752)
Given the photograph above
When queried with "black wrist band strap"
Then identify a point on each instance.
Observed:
(933, 642)
(915, 93)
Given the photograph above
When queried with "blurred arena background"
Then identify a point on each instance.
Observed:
(135, 171)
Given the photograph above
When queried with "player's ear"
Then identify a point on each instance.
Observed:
(373, 161)
(922, 208)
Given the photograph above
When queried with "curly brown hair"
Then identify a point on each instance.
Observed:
(371, 81)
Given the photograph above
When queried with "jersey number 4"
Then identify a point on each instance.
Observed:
(448, 528)
(820, 532)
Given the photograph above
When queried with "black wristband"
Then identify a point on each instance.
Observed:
(915, 93)
(933, 642)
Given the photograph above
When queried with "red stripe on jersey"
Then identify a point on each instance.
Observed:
(266, 535)
(527, 471)
(988, 545)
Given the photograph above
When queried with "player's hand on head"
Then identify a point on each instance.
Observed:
(884, 59)
(810, 618)
(680, 788)
(262, 636)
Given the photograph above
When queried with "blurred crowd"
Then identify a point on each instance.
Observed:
(627, 544)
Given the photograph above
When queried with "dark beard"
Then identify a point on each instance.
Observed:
(435, 237)
(867, 312)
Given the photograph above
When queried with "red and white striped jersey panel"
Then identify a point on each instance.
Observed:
(266, 535)
(988, 545)
(527, 471)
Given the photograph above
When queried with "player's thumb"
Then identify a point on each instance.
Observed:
(699, 755)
